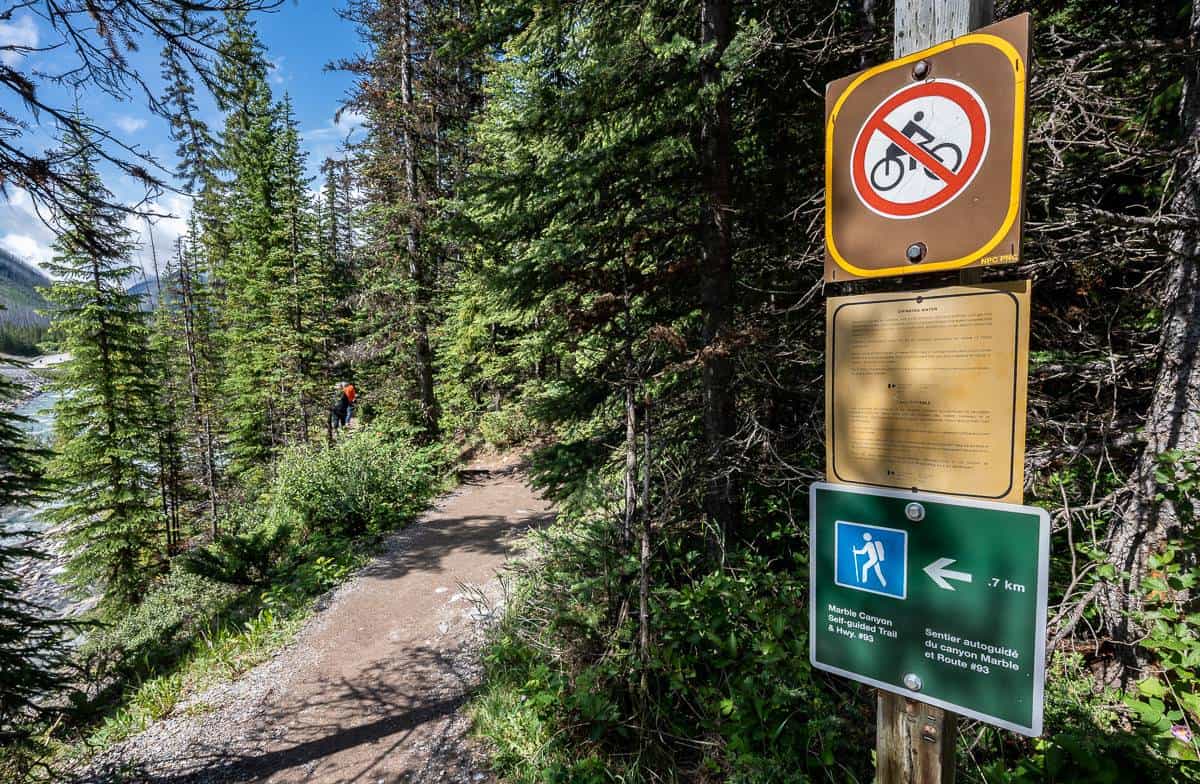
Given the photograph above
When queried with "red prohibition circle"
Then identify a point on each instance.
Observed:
(955, 182)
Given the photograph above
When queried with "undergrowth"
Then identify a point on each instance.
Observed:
(229, 605)
(727, 693)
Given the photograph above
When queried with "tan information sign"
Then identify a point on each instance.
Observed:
(926, 390)
(925, 158)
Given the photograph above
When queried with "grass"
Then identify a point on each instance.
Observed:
(195, 630)
(224, 655)
(524, 746)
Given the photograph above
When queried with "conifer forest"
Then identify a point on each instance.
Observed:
(587, 237)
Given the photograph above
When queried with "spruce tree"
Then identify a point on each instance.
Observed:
(104, 421)
(249, 227)
(166, 373)
(33, 653)
(190, 313)
(299, 318)
(192, 317)
(419, 94)
(194, 142)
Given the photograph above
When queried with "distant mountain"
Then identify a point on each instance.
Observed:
(147, 294)
(19, 282)
(22, 327)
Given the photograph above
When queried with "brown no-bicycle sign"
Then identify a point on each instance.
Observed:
(925, 158)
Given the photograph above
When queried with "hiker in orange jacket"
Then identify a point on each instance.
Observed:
(350, 394)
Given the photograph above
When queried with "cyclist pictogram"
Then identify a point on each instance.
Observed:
(919, 149)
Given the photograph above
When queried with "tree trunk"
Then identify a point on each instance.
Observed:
(866, 27)
(298, 322)
(416, 270)
(1172, 422)
(630, 465)
(644, 559)
(716, 271)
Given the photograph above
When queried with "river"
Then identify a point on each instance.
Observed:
(38, 575)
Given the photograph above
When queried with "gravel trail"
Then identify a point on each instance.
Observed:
(371, 689)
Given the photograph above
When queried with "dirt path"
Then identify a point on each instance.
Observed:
(370, 690)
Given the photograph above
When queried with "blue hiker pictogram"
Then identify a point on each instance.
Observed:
(871, 558)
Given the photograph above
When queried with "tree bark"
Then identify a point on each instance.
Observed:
(644, 559)
(866, 28)
(1173, 419)
(716, 271)
(630, 465)
(416, 270)
(923, 23)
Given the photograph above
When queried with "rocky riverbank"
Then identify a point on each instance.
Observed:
(30, 374)
(40, 577)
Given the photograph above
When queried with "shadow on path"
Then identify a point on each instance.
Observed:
(380, 700)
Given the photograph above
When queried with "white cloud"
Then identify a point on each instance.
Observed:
(22, 231)
(277, 76)
(326, 142)
(22, 32)
(346, 124)
(24, 234)
(163, 231)
(26, 248)
(352, 119)
(129, 124)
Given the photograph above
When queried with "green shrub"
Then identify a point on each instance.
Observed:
(228, 605)
(362, 484)
(729, 664)
(164, 624)
(240, 559)
(506, 427)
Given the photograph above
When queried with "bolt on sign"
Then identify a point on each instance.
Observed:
(926, 390)
(925, 158)
(936, 598)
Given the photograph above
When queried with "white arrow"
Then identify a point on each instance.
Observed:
(938, 572)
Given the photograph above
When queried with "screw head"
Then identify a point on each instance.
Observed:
(914, 512)
(912, 682)
(915, 253)
(921, 70)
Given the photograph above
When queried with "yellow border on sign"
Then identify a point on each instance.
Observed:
(1017, 168)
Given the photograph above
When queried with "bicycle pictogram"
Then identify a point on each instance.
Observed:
(919, 148)
(889, 171)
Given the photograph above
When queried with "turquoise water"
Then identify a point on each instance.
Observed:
(41, 421)
(39, 426)
(39, 577)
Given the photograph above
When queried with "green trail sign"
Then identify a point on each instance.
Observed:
(937, 598)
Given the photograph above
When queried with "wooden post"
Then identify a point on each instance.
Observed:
(915, 742)
(922, 23)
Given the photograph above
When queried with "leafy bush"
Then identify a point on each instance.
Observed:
(363, 483)
(506, 427)
(234, 601)
(240, 559)
(166, 622)
(729, 663)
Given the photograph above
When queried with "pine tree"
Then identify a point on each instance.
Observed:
(337, 210)
(300, 321)
(105, 418)
(194, 320)
(33, 653)
(194, 143)
(166, 373)
(249, 227)
(419, 98)
(188, 279)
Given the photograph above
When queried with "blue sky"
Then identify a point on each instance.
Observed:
(300, 38)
